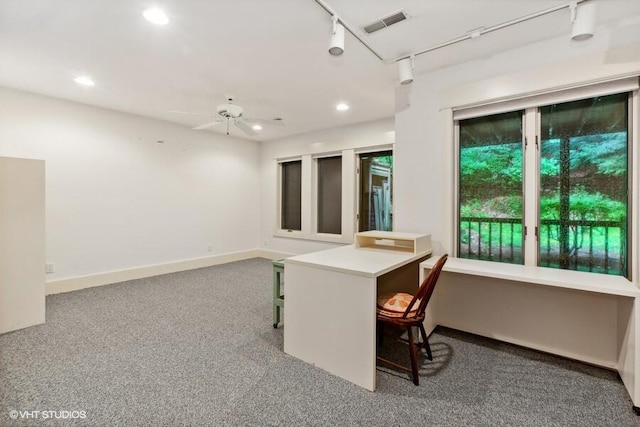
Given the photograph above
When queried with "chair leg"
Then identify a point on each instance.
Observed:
(414, 356)
(426, 342)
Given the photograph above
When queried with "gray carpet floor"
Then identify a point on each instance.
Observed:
(198, 348)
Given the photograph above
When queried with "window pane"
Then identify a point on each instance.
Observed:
(490, 188)
(374, 201)
(330, 195)
(583, 185)
(291, 195)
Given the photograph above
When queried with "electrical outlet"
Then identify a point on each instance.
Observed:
(209, 247)
(49, 267)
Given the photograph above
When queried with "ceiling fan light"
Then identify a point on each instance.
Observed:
(584, 21)
(156, 16)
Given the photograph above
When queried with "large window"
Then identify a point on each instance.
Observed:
(291, 195)
(578, 206)
(374, 195)
(329, 195)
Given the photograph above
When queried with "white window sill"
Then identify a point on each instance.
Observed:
(294, 234)
(569, 279)
(318, 237)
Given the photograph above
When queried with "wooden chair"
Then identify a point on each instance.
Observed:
(407, 311)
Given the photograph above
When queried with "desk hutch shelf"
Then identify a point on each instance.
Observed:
(391, 240)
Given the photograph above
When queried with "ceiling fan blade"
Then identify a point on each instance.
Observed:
(244, 127)
(206, 125)
(268, 122)
(189, 112)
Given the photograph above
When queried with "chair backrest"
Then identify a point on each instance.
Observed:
(426, 289)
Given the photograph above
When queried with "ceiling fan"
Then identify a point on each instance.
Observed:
(232, 114)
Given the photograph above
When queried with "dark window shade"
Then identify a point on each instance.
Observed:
(291, 195)
(330, 195)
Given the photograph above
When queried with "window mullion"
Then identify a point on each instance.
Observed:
(308, 195)
(530, 185)
(634, 174)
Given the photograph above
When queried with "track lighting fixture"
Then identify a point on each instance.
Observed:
(583, 20)
(336, 48)
(405, 70)
(583, 23)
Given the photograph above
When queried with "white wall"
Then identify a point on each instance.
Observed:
(422, 191)
(116, 199)
(373, 133)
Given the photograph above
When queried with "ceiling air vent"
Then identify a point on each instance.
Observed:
(385, 22)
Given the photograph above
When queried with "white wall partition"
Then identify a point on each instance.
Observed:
(22, 241)
(125, 192)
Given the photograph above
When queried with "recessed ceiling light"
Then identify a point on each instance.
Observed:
(156, 16)
(84, 81)
(257, 127)
(342, 107)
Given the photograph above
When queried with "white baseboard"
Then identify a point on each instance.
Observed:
(100, 279)
(89, 281)
(263, 253)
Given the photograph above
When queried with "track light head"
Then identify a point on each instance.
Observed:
(583, 20)
(405, 70)
(336, 47)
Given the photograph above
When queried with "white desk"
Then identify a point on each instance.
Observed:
(583, 316)
(330, 316)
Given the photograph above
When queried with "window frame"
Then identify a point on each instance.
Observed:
(359, 153)
(456, 250)
(280, 197)
(531, 171)
(316, 194)
(308, 156)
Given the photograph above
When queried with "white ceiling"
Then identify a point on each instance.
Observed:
(272, 55)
